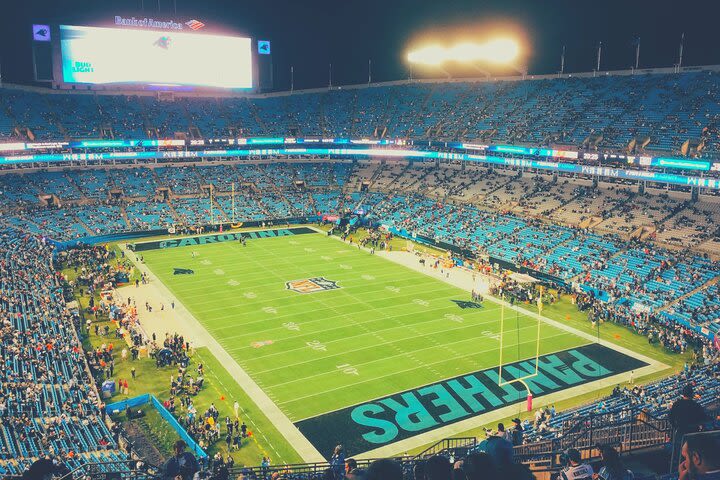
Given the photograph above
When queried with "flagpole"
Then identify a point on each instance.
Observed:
(292, 79)
(369, 71)
(562, 61)
(637, 54)
(599, 54)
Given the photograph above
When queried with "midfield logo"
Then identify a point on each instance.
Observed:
(312, 285)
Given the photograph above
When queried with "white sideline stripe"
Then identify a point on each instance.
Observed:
(404, 371)
(297, 440)
(245, 414)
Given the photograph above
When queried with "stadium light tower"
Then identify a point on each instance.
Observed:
(500, 51)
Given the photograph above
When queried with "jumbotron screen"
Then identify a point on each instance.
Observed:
(114, 55)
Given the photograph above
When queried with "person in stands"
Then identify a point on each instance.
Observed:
(499, 449)
(517, 432)
(613, 467)
(574, 468)
(182, 465)
(337, 461)
(384, 469)
(700, 457)
(437, 467)
(686, 415)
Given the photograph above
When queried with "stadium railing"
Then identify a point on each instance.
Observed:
(453, 447)
(638, 431)
(129, 469)
(112, 470)
(308, 470)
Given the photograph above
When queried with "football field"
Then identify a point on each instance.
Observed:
(321, 325)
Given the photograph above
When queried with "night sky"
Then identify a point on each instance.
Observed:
(310, 34)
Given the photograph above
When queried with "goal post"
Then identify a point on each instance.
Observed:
(521, 380)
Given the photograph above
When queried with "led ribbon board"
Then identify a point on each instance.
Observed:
(589, 170)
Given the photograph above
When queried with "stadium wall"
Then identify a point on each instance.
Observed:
(139, 234)
(467, 254)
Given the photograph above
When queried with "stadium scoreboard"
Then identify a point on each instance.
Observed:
(147, 53)
(119, 55)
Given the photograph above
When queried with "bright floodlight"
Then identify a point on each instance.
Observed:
(502, 50)
(432, 55)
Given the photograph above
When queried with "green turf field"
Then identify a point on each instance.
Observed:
(387, 329)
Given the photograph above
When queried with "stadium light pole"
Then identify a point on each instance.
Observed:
(682, 44)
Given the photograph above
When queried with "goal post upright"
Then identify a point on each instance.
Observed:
(233, 202)
(212, 220)
(520, 380)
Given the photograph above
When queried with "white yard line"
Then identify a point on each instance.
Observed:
(446, 345)
(265, 301)
(350, 337)
(346, 352)
(376, 377)
(322, 320)
(200, 336)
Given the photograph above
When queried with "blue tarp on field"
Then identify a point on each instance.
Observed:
(167, 416)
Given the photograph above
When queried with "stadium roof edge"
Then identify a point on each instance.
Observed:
(230, 94)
